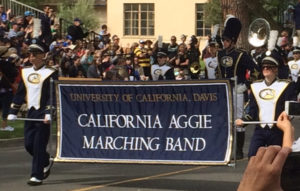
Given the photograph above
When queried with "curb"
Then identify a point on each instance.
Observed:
(14, 142)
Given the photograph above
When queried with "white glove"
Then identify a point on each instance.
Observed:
(47, 117)
(12, 117)
(241, 88)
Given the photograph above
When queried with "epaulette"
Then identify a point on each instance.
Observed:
(51, 68)
(26, 67)
(284, 80)
(241, 50)
(257, 81)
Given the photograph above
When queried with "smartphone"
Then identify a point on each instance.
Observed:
(292, 108)
(291, 173)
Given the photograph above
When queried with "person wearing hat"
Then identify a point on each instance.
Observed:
(288, 17)
(233, 62)
(210, 60)
(75, 31)
(28, 18)
(34, 89)
(161, 71)
(143, 55)
(294, 66)
(46, 35)
(267, 100)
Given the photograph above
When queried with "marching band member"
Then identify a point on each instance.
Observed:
(162, 71)
(34, 88)
(266, 104)
(234, 62)
(294, 66)
(211, 62)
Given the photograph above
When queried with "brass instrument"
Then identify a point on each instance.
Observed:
(259, 32)
(195, 67)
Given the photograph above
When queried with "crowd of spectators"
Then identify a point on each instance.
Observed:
(73, 55)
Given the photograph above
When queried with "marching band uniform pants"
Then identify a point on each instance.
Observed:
(264, 137)
(239, 110)
(36, 139)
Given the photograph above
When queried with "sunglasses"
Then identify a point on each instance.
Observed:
(268, 67)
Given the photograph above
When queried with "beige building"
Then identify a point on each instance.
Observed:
(133, 20)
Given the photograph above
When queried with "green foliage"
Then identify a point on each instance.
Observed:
(19, 130)
(82, 9)
(213, 12)
(33, 3)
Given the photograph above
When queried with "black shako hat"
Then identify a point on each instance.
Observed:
(215, 41)
(233, 27)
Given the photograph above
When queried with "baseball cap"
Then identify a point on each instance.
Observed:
(77, 19)
(28, 13)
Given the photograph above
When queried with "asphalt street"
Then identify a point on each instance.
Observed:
(15, 171)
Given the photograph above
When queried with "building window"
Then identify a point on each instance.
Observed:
(202, 29)
(139, 19)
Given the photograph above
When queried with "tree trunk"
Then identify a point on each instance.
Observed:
(239, 9)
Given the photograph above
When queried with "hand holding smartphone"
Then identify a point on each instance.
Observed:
(292, 108)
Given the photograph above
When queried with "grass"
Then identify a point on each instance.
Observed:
(19, 130)
(17, 133)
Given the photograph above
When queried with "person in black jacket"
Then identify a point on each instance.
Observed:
(34, 88)
(46, 35)
(8, 74)
(267, 100)
(233, 62)
(75, 31)
(161, 71)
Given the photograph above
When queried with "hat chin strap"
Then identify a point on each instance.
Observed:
(230, 47)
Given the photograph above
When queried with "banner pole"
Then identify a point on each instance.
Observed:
(234, 91)
(258, 122)
(51, 114)
(28, 119)
(235, 116)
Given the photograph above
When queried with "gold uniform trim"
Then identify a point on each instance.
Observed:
(277, 98)
(237, 63)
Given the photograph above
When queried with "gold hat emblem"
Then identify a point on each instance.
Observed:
(294, 66)
(34, 78)
(226, 61)
(267, 94)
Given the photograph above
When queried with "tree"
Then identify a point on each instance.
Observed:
(239, 9)
(213, 12)
(82, 9)
(247, 11)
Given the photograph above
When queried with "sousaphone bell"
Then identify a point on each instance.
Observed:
(259, 31)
